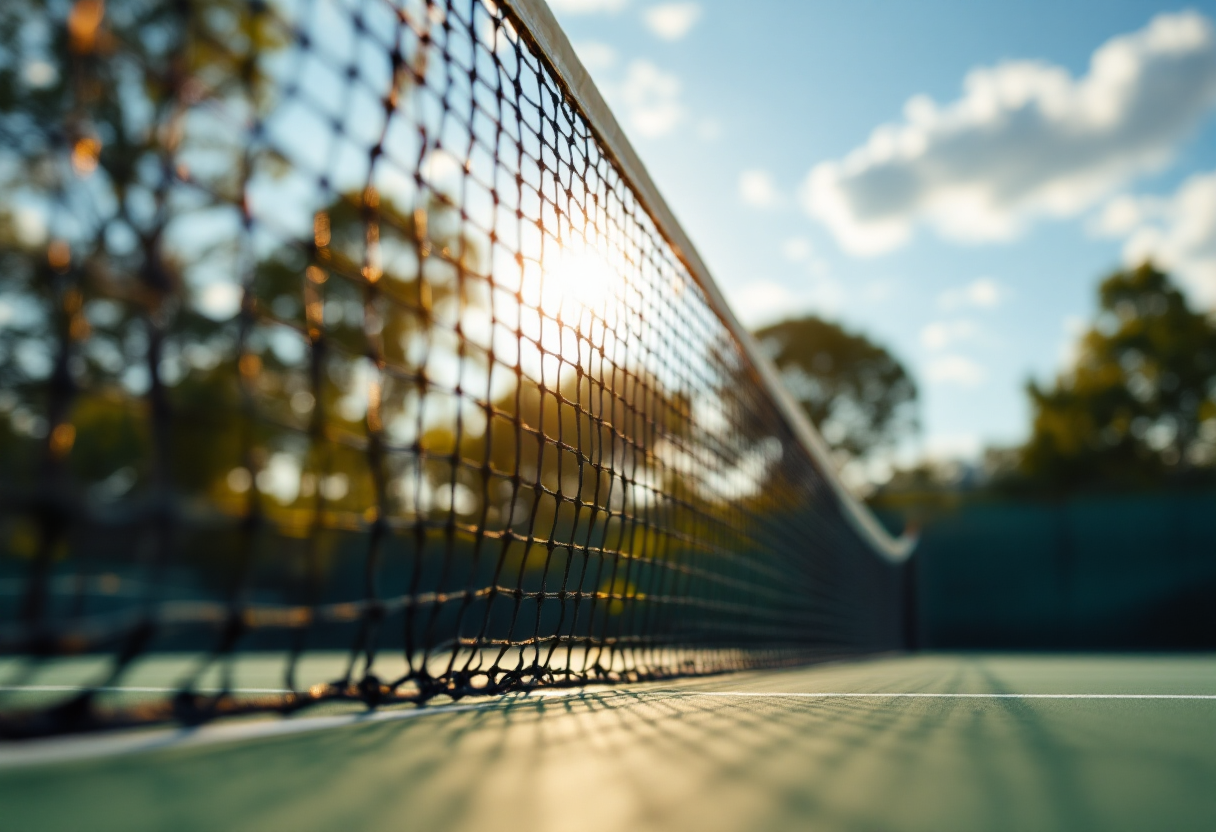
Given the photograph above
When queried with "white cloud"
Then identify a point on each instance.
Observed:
(981, 293)
(587, 6)
(596, 57)
(762, 302)
(1026, 139)
(757, 189)
(941, 334)
(1177, 232)
(651, 99)
(796, 249)
(1120, 216)
(671, 21)
(954, 369)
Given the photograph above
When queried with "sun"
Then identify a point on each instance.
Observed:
(576, 280)
(571, 302)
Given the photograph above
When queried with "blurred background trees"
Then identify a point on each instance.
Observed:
(1138, 408)
(1135, 411)
(1098, 531)
(856, 392)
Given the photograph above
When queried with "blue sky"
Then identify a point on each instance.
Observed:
(1012, 172)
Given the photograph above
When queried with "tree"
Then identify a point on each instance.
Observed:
(129, 168)
(857, 394)
(1139, 407)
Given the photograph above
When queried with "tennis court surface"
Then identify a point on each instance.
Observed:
(988, 742)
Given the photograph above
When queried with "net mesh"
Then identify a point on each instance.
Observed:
(335, 336)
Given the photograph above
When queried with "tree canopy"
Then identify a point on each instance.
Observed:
(1139, 406)
(857, 393)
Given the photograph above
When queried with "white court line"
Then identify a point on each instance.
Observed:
(66, 749)
(127, 689)
(874, 695)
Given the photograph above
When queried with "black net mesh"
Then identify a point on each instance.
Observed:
(334, 338)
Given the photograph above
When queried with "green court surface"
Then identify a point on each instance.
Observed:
(1001, 742)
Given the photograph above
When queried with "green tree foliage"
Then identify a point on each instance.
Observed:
(124, 171)
(1139, 407)
(858, 394)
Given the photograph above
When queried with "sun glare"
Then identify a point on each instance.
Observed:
(563, 296)
(575, 280)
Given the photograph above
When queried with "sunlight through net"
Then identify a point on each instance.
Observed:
(334, 335)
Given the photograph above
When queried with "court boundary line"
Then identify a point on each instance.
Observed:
(925, 695)
(128, 689)
(30, 753)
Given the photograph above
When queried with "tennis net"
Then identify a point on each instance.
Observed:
(351, 335)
